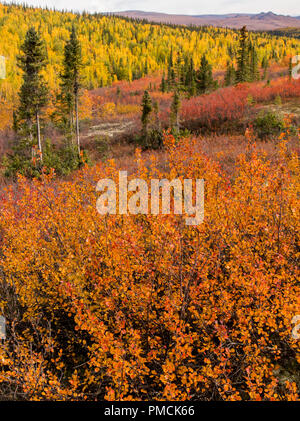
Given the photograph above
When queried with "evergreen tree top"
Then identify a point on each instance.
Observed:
(33, 54)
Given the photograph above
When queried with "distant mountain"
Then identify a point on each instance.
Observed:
(261, 21)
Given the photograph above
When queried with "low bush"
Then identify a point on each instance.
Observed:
(268, 124)
(145, 307)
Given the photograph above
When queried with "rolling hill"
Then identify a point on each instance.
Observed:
(261, 22)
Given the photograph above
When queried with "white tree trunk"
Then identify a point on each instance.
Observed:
(77, 125)
(39, 135)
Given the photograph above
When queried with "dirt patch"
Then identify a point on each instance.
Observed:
(290, 108)
(110, 129)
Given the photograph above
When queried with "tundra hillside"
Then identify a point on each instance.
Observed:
(144, 307)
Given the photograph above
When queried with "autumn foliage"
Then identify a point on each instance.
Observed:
(145, 307)
(118, 49)
(231, 104)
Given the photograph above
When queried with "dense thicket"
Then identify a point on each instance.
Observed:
(144, 307)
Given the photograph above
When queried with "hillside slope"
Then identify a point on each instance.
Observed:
(115, 48)
(261, 21)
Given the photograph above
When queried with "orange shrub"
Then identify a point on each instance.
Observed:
(86, 105)
(6, 114)
(145, 307)
(129, 109)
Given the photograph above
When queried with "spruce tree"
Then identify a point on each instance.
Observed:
(242, 73)
(253, 64)
(171, 72)
(204, 77)
(146, 111)
(34, 92)
(265, 65)
(15, 125)
(175, 107)
(230, 74)
(70, 84)
(146, 69)
(190, 83)
(156, 113)
(163, 83)
(179, 77)
(290, 68)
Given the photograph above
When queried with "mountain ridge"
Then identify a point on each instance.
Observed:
(260, 21)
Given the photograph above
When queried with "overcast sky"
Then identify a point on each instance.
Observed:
(199, 7)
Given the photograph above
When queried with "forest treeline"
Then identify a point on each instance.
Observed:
(115, 48)
(31, 155)
(182, 74)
